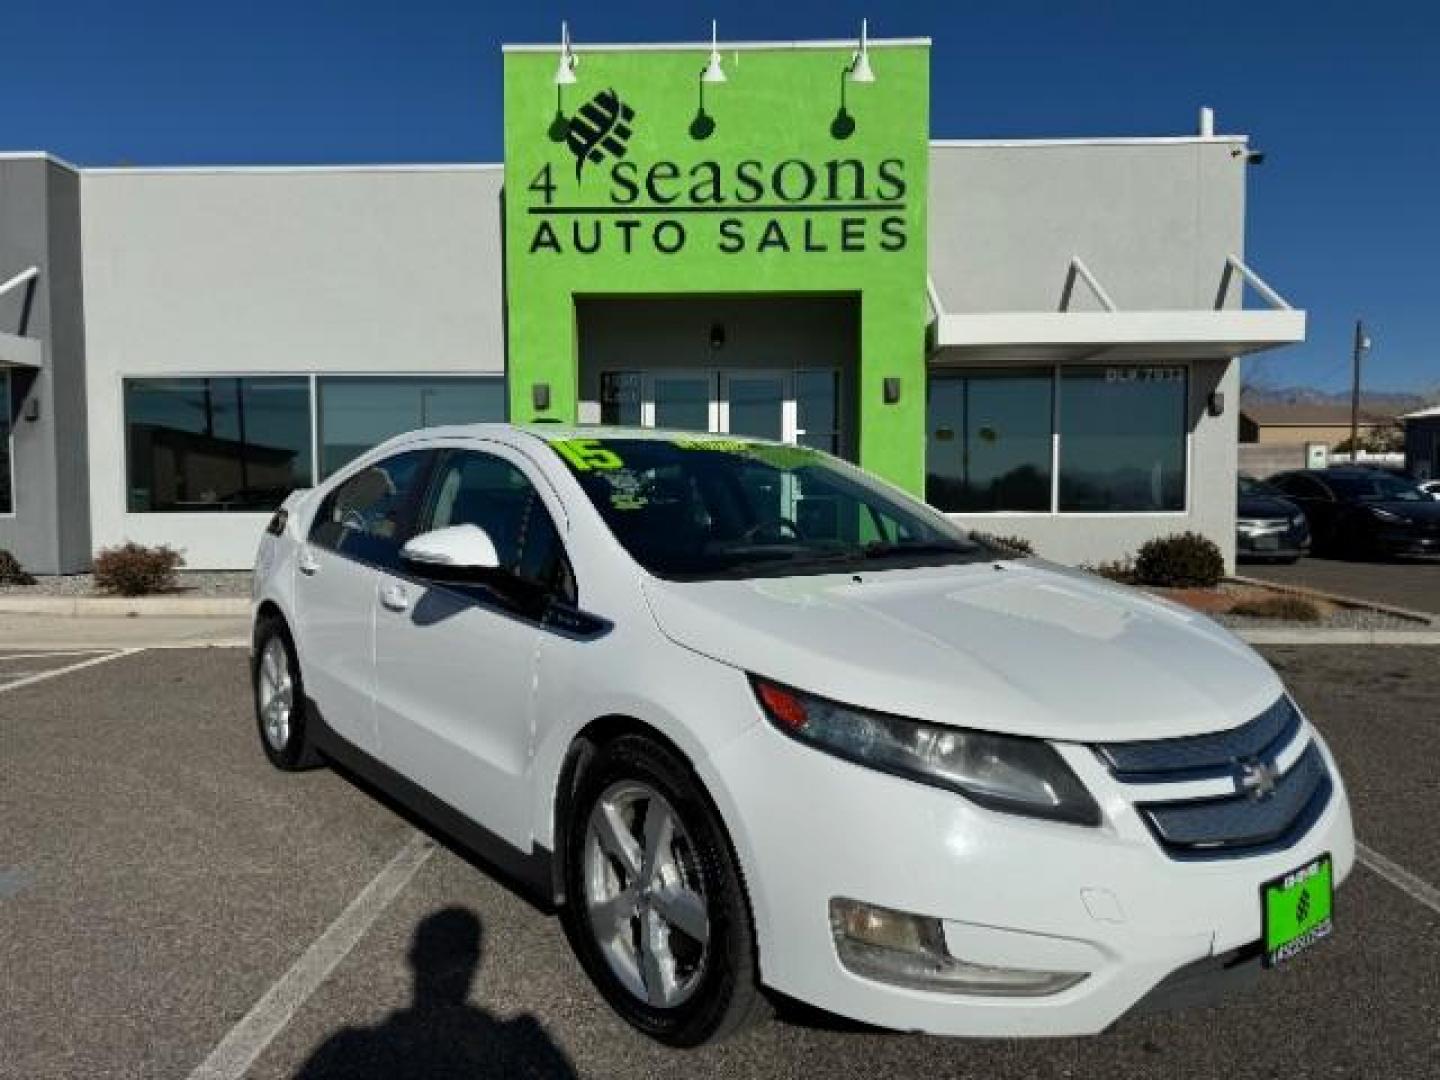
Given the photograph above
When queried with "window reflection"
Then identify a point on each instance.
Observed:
(1122, 439)
(7, 496)
(988, 441)
(216, 444)
(358, 412)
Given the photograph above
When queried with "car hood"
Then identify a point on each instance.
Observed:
(1422, 513)
(1265, 507)
(1016, 647)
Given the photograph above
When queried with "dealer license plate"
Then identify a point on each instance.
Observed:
(1296, 909)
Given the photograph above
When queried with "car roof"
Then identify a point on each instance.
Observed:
(548, 432)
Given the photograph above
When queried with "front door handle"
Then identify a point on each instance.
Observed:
(394, 598)
(307, 564)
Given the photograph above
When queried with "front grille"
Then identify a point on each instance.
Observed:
(1236, 824)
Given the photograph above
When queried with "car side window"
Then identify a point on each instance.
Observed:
(368, 516)
(1300, 486)
(473, 488)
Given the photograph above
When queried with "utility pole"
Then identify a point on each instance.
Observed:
(1361, 344)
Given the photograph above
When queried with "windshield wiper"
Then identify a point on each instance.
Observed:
(882, 549)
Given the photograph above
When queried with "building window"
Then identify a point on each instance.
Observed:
(1122, 439)
(621, 396)
(989, 441)
(357, 412)
(216, 444)
(1119, 434)
(7, 491)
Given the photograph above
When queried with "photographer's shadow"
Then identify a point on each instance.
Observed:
(441, 1034)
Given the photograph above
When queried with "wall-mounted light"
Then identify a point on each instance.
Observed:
(859, 69)
(892, 390)
(703, 126)
(565, 72)
(564, 76)
(32, 408)
(713, 72)
(540, 396)
(717, 335)
(1215, 403)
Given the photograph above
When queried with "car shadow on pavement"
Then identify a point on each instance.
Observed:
(441, 1034)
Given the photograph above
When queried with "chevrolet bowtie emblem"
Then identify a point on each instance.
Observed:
(1255, 778)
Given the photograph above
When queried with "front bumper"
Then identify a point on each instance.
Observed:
(1408, 542)
(1288, 542)
(1013, 892)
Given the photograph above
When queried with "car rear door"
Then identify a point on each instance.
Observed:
(456, 664)
(358, 528)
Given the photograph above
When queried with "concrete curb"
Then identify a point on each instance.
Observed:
(126, 606)
(1424, 618)
(1338, 637)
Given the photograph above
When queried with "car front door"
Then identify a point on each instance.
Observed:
(359, 527)
(455, 664)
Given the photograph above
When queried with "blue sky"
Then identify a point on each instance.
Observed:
(1344, 216)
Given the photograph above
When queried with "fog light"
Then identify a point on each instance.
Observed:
(907, 950)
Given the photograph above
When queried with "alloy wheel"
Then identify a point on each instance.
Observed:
(275, 689)
(645, 896)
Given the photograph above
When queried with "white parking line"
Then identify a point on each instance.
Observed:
(31, 680)
(247, 1040)
(51, 654)
(1417, 888)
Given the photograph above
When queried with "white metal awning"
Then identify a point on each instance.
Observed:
(1111, 334)
(19, 352)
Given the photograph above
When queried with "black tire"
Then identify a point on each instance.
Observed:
(297, 751)
(727, 997)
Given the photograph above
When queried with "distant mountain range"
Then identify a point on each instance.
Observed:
(1376, 400)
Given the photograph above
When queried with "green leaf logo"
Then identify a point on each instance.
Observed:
(599, 129)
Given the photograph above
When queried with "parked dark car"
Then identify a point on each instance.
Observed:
(1268, 526)
(1364, 512)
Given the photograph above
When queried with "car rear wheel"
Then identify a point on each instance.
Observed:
(655, 904)
(280, 699)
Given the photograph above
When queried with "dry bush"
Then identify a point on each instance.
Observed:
(136, 570)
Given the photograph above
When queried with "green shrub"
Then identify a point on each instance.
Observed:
(1182, 560)
(135, 570)
(1013, 546)
(11, 572)
(1289, 608)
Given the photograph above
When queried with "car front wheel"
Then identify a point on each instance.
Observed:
(656, 907)
(280, 699)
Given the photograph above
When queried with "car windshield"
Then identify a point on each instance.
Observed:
(704, 508)
(1377, 487)
(1258, 488)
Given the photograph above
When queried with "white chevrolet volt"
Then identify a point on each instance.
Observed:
(753, 719)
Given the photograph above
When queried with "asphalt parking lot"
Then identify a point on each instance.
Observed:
(1407, 583)
(158, 879)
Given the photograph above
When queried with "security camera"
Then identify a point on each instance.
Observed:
(1252, 157)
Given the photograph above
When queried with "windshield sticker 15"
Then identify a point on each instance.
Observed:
(587, 454)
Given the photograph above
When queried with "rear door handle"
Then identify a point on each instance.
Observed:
(394, 598)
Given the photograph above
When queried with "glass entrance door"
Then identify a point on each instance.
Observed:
(682, 402)
(758, 404)
(790, 406)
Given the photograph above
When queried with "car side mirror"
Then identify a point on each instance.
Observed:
(462, 553)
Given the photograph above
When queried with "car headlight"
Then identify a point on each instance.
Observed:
(1000, 772)
(1297, 520)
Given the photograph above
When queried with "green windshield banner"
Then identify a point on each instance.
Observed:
(640, 179)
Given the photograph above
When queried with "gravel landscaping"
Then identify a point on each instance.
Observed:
(197, 583)
(1331, 615)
